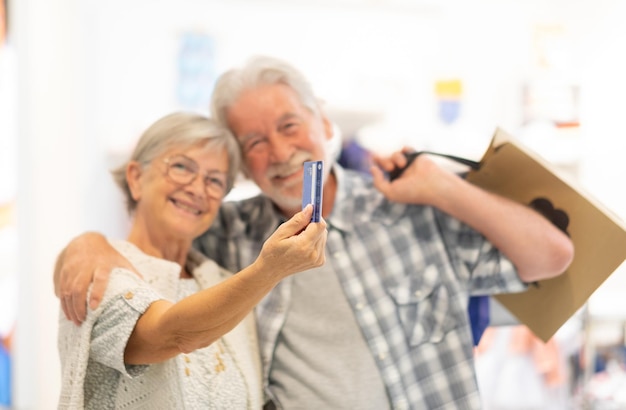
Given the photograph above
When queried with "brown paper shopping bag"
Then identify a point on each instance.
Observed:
(509, 169)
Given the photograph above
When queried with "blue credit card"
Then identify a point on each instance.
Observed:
(312, 187)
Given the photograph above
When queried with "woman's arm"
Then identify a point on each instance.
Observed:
(166, 330)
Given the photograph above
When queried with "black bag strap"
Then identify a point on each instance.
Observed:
(410, 157)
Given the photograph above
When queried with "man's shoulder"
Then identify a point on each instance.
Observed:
(246, 210)
(249, 217)
(239, 228)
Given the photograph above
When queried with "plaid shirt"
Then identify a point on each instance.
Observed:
(407, 271)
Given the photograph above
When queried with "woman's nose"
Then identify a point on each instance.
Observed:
(197, 186)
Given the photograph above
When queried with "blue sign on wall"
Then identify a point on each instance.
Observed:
(196, 70)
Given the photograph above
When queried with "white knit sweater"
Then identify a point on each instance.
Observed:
(93, 372)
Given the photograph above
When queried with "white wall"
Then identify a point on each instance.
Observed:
(603, 162)
(93, 75)
(52, 164)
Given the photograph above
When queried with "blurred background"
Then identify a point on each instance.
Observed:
(80, 80)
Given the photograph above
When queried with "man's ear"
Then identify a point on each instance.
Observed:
(133, 177)
(328, 126)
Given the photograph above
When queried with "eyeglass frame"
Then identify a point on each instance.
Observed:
(208, 177)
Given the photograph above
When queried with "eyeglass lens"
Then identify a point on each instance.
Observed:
(184, 170)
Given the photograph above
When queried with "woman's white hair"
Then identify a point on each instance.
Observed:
(179, 129)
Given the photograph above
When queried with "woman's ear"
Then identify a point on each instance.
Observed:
(133, 177)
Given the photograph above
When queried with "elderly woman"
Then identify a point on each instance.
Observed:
(178, 332)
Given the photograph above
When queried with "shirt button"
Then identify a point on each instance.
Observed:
(129, 295)
(418, 293)
(419, 332)
(382, 355)
(338, 254)
(359, 306)
(401, 406)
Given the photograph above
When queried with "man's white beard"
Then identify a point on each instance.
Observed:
(292, 202)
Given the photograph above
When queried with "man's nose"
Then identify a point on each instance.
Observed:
(280, 149)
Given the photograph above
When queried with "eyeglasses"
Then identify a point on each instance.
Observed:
(184, 170)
